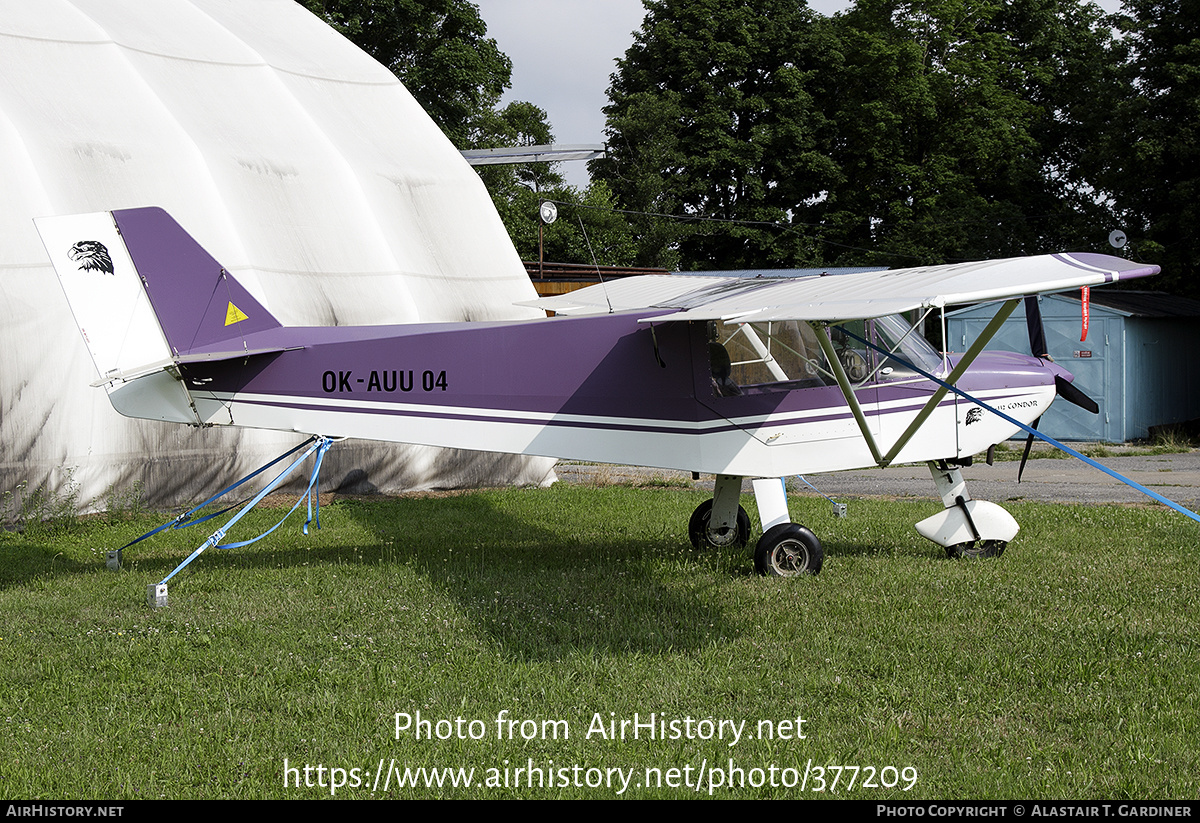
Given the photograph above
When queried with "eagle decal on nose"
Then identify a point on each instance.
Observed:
(91, 255)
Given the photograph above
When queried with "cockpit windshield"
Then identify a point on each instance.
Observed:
(784, 355)
(896, 336)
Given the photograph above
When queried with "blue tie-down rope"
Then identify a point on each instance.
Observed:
(185, 520)
(1116, 475)
(804, 480)
(839, 509)
(320, 445)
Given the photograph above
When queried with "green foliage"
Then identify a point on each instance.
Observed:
(440, 51)
(587, 232)
(438, 48)
(903, 132)
(712, 116)
(1151, 155)
(126, 503)
(46, 507)
(517, 124)
(588, 224)
(961, 127)
(896, 133)
(517, 190)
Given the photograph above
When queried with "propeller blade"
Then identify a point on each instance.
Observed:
(1028, 447)
(1037, 331)
(1067, 391)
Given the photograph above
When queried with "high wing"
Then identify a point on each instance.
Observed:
(847, 296)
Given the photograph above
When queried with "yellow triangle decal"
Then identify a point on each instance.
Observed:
(234, 315)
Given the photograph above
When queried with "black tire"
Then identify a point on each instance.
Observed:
(788, 550)
(699, 535)
(977, 549)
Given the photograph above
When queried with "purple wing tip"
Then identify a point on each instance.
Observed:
(1120, 268)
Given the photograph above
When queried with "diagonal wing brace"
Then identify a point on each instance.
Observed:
(822, 330)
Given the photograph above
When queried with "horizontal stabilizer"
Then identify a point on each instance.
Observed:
(202, 357)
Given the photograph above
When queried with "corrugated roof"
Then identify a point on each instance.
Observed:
(1145, 303)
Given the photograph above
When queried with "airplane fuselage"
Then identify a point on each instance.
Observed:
(601, 387)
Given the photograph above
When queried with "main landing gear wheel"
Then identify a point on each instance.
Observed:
(702, 538)
(978, 548)
(788, 550)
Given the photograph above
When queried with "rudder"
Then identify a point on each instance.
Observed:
(146, 296)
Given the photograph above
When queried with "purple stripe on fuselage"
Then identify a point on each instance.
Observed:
(511, 417)
(596, 366)
(623, 424)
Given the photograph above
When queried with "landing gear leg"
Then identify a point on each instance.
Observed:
(721, 521)
(966, 528)
(786, 549)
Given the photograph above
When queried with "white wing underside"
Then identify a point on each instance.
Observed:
(844, 296)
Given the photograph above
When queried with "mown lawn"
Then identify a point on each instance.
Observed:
(522, 626)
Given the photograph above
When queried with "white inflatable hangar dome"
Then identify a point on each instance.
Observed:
(303, 165)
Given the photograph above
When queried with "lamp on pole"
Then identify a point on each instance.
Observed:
(547, 214)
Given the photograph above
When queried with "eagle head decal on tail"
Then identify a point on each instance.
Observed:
(91, 255)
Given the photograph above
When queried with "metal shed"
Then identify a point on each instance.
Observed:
(1135, 362)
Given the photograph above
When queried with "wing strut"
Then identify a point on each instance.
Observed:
(1133, 484)
(839, 373)
(964, 363)
(962, 366)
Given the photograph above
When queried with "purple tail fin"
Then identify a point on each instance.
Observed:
(199, 305)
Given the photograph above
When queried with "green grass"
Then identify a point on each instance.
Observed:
(1167, 442)
(1066, 669)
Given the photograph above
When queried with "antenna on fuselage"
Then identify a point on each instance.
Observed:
(595, 265)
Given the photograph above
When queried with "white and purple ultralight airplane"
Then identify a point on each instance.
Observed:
(758, 378)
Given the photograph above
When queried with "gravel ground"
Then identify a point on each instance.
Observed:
(1059, 480)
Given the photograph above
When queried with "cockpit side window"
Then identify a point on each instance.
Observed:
(772, 356)
(749, 358)
(894, 335)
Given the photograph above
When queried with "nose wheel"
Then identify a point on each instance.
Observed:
(977, 548)
(966, 528)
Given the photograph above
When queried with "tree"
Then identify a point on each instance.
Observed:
(1153, 150)
(517, 124)
(963, 129)
(588, 230)
(588, 225)
(899, 132)
(440, 51)
(712, 115)
(438, 48)
(516, 189)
